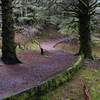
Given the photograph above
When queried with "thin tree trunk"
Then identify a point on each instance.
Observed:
(8, 34)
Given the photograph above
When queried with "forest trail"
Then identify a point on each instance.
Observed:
(35, 69)
(49, 46)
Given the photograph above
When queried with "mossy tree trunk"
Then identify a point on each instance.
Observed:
(84, 29)
(8, 34)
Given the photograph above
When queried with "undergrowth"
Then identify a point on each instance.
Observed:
(73, 90)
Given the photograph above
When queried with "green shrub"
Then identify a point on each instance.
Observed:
(30, 15)
(16, 11)
(25, 20)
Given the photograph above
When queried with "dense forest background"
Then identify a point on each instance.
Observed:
(60, 13)
(46, 31)
(74, 18)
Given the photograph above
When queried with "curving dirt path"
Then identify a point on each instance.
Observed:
(35, 69)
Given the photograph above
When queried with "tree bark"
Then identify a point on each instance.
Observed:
(8, 34)
(84, 30)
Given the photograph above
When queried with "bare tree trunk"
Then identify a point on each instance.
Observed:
(8, 34)
(84, 30)
(85, 37)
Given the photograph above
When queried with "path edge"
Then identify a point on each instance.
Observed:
(48, 85)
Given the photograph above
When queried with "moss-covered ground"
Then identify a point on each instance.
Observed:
(73, 90)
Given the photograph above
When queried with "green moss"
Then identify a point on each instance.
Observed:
(73, 90)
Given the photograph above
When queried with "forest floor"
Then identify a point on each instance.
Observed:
(35, 69)
(73, 90)
(89, 75)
